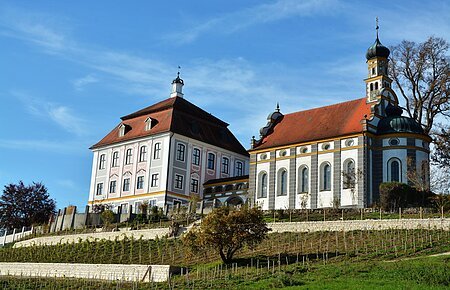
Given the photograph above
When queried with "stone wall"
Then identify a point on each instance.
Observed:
(353, 225)
(148, 234)
(152, 273)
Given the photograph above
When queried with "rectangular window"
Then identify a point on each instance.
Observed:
(178, 181)
(126, 184)
(137, 207)
(101, 163)
(239, 168)
(99, 188)
(143, 154)
(196, 156)
(151, 203)
(211, 161)
(155, 178)
(112, 186)
(140, 182)
(115, 159)
(124, 207)
(157, 151)
(225, 165)
(194, 185)
(128, 156)
(180, 152)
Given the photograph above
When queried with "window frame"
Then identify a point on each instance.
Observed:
(211, 161)
(115, 159)
(112, 186)
(154, 180)
(178, 181)
(194, 184)
(399, 169)
(346, 168)
(126, 182)
(325, 179)
(225, 165)
(181, 152)
(239, 168)
(262, 184)
(196, 158)
(102, 162)
(140, 182)
(282, 186)
(157, 151)
(303, 179)
(129, 156)
(143, 153)
(99, 189)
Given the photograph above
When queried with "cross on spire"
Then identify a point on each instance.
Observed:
(178, 73)
(377, 27)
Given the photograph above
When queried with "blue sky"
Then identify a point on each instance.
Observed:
(69, 70)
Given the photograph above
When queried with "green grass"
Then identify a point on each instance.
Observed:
(341, 273)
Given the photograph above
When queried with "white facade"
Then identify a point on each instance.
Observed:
(167, 177)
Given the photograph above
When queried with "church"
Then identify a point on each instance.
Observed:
(338, 155)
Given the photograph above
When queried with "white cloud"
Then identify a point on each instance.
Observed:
(59, 114)
(263, 13)
(80, 83)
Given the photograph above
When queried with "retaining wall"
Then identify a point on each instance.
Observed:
(156, 273)
(148, 234)
(353, 225)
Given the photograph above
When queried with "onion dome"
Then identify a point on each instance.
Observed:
(396, 123)
(377, 50)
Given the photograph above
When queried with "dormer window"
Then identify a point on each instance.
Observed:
(123, 129)
(148, 124)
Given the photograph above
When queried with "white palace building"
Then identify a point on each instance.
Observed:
(163, 154)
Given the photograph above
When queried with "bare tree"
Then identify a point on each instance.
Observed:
(418, 178)
(441, 152)
(421, 73)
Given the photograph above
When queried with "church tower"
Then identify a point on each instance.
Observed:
(377, 65)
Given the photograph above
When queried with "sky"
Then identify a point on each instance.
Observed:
(70, 70)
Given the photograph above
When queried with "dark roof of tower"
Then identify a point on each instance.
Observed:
(377, 50)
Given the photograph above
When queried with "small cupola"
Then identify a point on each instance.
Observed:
(177, 87)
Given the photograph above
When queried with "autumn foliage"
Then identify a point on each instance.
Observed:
(226, 230)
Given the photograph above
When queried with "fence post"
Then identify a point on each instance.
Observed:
(14, 234)
(4, 237)
(399, 213)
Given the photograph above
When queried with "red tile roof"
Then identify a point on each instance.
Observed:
(179, 116)
(319, 123)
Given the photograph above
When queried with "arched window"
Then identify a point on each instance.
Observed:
(303, 175)
(325, 176)
(349, 174)
(143, 154)
(376, 86)
(262, 192)
(394, 170)
(371, 87)
(282, 182)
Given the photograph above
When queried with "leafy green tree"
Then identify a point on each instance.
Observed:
(25, 205)
(226, 230)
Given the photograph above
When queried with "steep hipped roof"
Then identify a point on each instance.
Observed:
(179, 116)
(319, 123)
